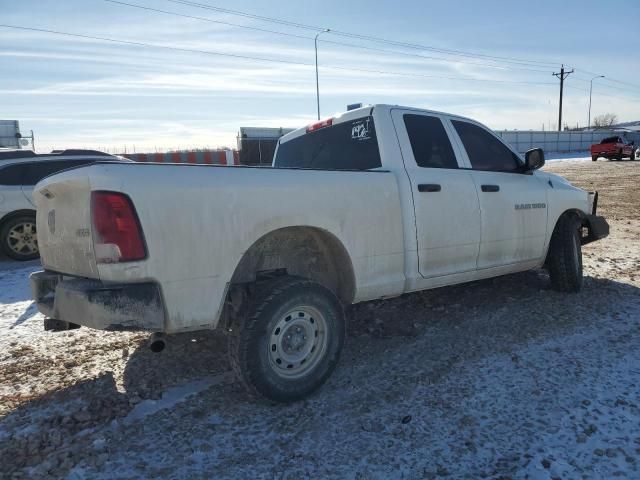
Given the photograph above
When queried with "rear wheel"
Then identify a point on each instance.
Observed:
(289, 339)
(564, 260)
(19, 239)
(594, 158)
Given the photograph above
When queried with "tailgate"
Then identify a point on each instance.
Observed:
(604, 148)
(63, 220)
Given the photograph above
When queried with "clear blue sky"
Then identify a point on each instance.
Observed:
(84, 93)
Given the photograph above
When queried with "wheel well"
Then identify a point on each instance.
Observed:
(307, 252)
(16, 213)
(577, 213)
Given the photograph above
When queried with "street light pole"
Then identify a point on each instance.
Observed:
(315, 41)
(590, 90)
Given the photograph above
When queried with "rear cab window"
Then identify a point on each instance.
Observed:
(350, 145)
(429, 142)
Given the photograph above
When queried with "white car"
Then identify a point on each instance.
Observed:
(369, 204)
(20, 170)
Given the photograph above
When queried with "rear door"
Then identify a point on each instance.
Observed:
(513, 204)
(445, 201)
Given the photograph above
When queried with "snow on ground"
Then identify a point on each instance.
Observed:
(573, 156)
(502, 378)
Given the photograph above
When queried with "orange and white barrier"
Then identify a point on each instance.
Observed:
(209, 157)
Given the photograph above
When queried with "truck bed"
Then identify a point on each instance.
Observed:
(191, 213)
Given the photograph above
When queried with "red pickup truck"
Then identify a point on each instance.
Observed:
(613, 148)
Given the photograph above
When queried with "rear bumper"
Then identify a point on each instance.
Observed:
(93, 304)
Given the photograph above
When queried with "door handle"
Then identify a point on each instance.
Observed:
(429, 187)
(490, 188)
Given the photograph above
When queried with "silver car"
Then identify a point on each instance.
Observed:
(20, 170)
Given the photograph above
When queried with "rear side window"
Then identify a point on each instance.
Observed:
(36, 171)
(429, 142)
(485, 151)
(11, 174)
(346, 146)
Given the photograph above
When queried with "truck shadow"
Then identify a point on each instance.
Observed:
(424, 335)
(518, 308)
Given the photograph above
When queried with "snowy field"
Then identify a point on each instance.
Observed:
(502, 378)
(570, 156)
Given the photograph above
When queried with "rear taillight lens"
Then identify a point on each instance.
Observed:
(117, 236)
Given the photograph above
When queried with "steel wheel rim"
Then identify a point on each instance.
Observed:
(297, 342)
(22, 239)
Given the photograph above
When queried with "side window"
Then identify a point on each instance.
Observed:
(36, 171)
(351, 145)
(12, 175)
(485, 151)
(429, 142)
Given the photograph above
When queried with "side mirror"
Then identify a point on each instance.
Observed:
(534, 159)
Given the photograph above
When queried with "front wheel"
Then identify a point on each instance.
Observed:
(594, 158)
(288, 341)
(19, 239)
(564, 260)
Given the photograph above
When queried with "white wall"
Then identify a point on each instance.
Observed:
(559, 141)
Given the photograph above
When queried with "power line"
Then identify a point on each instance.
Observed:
(512, 60)
(262, 59)
(220, 22)
(599, 93)
(587, 72)
(151, 45)
(351, 45)
(361, 37)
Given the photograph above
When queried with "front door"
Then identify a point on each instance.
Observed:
(513, 204)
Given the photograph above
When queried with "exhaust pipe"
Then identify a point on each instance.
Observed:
(157, 342)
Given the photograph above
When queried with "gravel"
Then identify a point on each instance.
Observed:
(502, 378)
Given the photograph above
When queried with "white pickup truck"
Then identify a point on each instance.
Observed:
(369, 204)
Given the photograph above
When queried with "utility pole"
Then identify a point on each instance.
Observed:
(315, 42)
(591, 90)
(562, 76)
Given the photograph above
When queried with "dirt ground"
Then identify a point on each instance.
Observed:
(502, 378)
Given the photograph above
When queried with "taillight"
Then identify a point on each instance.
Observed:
(317, 126)
(117, 236)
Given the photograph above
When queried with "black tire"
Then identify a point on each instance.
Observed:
(564, 260)
(619, 157)
(594, 158)
(259, 337)
(632, 155)
(25, 227)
